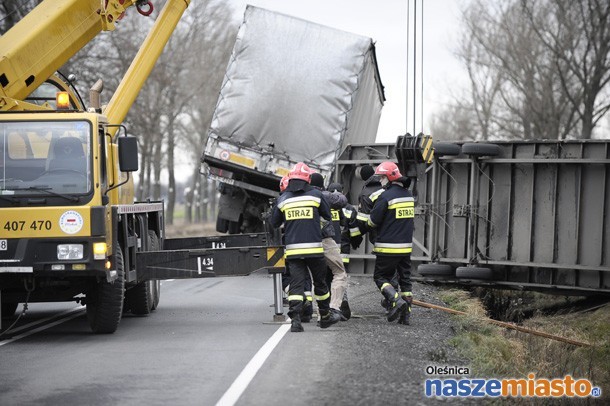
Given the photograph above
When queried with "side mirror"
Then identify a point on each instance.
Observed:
(128, 154)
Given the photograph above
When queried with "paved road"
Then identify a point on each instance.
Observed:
(187, 352)
(200, 343)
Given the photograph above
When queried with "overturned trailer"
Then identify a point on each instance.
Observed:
(532, 215)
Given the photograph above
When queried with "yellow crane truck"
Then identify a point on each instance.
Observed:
(69, 227)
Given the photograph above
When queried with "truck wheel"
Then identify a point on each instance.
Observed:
(105, 300)
(435, 269)
(235, 226)
(475, 149)
(222, 225)
(141, 298)
(473, 272)
(154, 246)
(8, 309)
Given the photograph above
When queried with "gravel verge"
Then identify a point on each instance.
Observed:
(378, 362)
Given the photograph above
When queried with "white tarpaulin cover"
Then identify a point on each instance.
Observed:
(303, 87)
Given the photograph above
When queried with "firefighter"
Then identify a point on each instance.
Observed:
(370, 192)
(332, 253)
(307, 309)
(392, 215)
(300, 208)
(345, 224)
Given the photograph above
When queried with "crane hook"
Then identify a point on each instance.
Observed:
(140, 6)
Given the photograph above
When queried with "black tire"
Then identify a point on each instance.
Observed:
(105, 300)
(475, 149)
(222, 225)
(140, 298)
(235, 227)
(473, 272)
(446, 149)
(8, 309)
(435, 270)
(155, 246)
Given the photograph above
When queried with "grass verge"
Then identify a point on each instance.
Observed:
(500, 353)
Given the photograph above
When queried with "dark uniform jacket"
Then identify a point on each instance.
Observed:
(371, 190)
(392, 215)
(300, 208)
(336, 201)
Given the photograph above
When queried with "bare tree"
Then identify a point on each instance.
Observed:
(577, 34)
(11, 11)
(485, 80)
(210, 62)
(517, 90)
(455, 122)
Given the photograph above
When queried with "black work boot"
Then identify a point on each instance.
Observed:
(396, 303)
(296, 324)
(329, 318)
(405, 316)
(306, 312)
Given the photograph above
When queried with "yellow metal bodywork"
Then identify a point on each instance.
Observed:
(30, 53)
(43, 222)
(45, 39)
(144, 61)
(27, 215)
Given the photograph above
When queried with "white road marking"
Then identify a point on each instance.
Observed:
(71, 314)
(240, 384)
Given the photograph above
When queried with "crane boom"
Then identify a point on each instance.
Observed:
(46, 39)
(144, 61)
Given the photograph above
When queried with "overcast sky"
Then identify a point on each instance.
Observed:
(386, 22)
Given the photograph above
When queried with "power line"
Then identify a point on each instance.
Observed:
(407, 81)
(414, 66)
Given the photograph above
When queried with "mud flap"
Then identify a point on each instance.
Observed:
(232, 203)
(206, 263)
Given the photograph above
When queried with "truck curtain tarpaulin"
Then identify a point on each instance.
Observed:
(303, 87)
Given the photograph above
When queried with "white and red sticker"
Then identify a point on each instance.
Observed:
(225, 155)
(71, 222)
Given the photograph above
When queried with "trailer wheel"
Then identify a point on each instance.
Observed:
(446, 149)
(435, 269)
(473, 272)
(156, 285)
(475, 149)
(105, 300)
(8, 309)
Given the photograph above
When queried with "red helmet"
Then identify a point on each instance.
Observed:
(388, 169)
(284, 183)
(301, 171)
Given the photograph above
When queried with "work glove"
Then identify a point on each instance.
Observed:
(356, 241)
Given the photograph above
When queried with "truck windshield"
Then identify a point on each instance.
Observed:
(45, 157)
